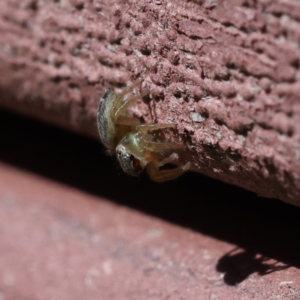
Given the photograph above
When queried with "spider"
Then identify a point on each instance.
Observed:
(134, 146)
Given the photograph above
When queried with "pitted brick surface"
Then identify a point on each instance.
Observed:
(226, 71)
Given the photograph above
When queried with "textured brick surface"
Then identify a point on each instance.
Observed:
(226, 71)
(73, 227)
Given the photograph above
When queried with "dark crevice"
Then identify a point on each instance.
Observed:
(145, 52)
(295, 64)
(288, 133)
(57, 79)
(244, 129)
(33, 5)
(246, 73)
(73, 85)
(79, 5)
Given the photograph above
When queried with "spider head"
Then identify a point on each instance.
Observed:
(129, 163)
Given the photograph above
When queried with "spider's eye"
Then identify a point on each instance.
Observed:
(136, 164)
(128, 161)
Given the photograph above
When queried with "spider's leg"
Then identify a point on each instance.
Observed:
(152, 127)
(163, 175)
(167, 160)
(128, 121)
(121, 96)
(160, 147)
(123, 106)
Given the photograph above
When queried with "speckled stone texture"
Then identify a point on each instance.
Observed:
(227, 72)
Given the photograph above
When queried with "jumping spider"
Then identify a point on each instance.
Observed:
(134, 146)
